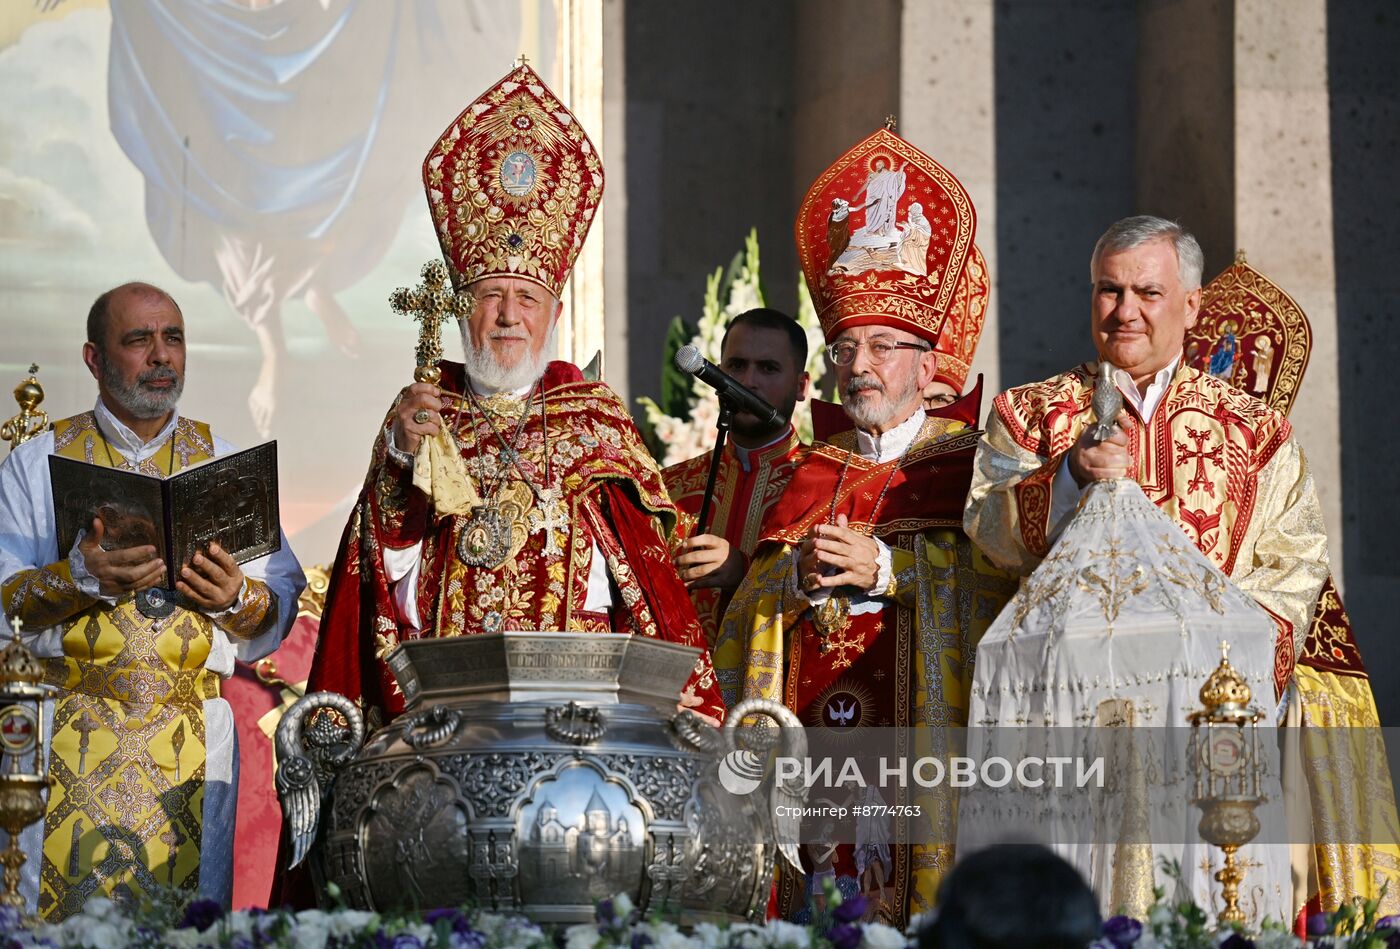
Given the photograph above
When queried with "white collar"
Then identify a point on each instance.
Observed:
(485, 391)
(1146, 402)
(744, 455)
(893, 443)
(127, 442)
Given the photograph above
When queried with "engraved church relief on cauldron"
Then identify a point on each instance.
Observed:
(415, 838)
(581, 837)
(725, 858)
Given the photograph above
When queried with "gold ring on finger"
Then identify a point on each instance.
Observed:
(422, 416)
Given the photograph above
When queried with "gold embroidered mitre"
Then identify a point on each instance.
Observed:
(513, 185)
(884, 235)
(957, 344)
(1252, 335)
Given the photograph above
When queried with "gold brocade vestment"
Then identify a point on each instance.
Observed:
(903, 668)
(573, 437)
(1221, 464)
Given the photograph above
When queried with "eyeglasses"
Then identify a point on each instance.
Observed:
(843, 353)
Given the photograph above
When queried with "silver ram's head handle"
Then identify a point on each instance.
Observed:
(788, 796)
(311, 748)
(1108, 401)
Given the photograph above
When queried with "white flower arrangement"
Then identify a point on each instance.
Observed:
(103, 924)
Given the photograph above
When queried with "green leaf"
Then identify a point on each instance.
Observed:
(677, 387)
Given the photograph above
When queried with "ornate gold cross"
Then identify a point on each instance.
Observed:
(430, 304)
(549, 516)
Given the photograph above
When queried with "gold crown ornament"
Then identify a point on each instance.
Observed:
(513, 184)
(884, 236)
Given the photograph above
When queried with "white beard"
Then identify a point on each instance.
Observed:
(872, 413)
(487, 373)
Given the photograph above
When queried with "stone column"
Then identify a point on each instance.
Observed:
(1233, 140)
(1283, 205)
(947, 108)
(613, 143)
(580, 66)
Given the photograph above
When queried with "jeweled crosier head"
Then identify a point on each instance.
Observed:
(509, 338)
(136, 351)
(881, 373)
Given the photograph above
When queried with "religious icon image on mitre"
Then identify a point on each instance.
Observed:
(1251, 334)
(881, 241)
(884, 236)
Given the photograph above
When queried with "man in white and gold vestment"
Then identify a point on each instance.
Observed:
(143, 752)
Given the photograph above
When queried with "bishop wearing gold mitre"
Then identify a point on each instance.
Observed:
(864, 599)
(1260, 341)
(542, 510)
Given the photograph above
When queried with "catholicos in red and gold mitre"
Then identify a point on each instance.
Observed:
(1252, 334)
(885, 237)
(514, 494)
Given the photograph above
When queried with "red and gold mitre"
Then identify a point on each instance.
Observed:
(513, 185)
(1251, 334)
(957, 344)
(883, 236)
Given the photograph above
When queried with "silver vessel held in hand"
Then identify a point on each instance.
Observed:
(536, 773)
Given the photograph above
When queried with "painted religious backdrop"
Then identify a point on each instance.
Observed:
(260, 160)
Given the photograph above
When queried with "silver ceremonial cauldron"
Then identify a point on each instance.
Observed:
(535, 772)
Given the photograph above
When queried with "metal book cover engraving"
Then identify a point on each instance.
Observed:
(232, 500)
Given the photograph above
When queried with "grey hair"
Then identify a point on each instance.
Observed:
(1133, 232)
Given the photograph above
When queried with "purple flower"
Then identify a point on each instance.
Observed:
(406, 941)
(604, 912)
(845, 935)
(1122, 931)
(640, 940)
(241, 942)
(455, 920)
(11, 919)
(851, 910)
(1389, 922)
(1236, 941)
(1320, 924)
(201, 914)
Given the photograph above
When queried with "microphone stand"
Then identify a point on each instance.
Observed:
(726, 417)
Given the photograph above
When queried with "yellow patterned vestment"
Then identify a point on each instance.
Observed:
(127, 756)
(909, 663)
(1221, 464)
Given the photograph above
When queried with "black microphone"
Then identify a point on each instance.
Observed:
(741, 399)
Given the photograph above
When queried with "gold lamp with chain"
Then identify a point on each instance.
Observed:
(31, 419)
(24, 779)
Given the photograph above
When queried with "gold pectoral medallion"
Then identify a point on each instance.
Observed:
(486, 538)
(831, 618)
(156, 603)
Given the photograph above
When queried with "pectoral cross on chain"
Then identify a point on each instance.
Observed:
(549, 516)
(430, 304)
